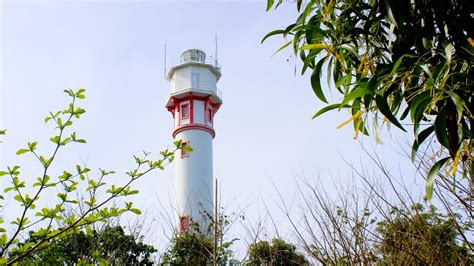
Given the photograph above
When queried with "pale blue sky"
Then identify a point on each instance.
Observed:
(114, 49)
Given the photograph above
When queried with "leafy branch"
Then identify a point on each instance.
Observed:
(395, 60)
(86, 208)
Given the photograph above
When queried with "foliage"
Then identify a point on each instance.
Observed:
(80, 200)
(110, 245)
(421, 237)
(278, 252)
(189, 249)
(378, 223)
(197, 248)
(392, 59)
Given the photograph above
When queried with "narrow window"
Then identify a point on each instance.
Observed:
(185, 111)
(183, 224)
(183, 152)
(209, 115)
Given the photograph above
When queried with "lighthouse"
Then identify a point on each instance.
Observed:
(193, 101)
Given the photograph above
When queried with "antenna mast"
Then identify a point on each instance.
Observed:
(164, 63)
(216, 55)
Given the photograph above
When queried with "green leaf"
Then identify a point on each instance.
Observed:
(440, 128)
(275, 32)
(418, 105)
(358, 92)
(458, 103)
(45, 161)
(342, 80)
(22, 151)
(69, 92)
(376, 130)
(91, 202)
(177, 143)
(399, 61)
(448, 50)
(2, 173)
(133, 192)
(66, 175)
(55, 139)
(80, 94)
(32, 145)
(65, 141)
(329, 108)
(269, 4)
(388, 11)
(79, 111)
(62, 196)
(136, 211)
(316, 81)
(187, 148)
(19, 198)
(385, 110)
(350, 48)
(3, 241)
(430, 179)
(427, 43)
(282, 47)
(298, 4)
(89, 231)
(420, 138)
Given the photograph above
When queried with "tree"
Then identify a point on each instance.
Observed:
(80, 200)
(189, 249)
(278, 252)
(376, 222)
(110, 245)
(421, 237)
(392, 59)
(197, 247)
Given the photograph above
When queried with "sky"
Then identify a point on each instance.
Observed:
(265, 137)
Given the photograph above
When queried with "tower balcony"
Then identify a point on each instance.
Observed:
(182, 89)
(201, 88)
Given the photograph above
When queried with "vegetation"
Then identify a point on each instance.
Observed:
(421, 237)
(278, 252)
(189, 249)
(109, 246)
(201, 246)
(390, 60)
(80, 200)
(379, 223)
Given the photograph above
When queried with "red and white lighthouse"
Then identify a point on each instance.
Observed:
(194, 100)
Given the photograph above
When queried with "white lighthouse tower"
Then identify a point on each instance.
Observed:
(194, 99)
